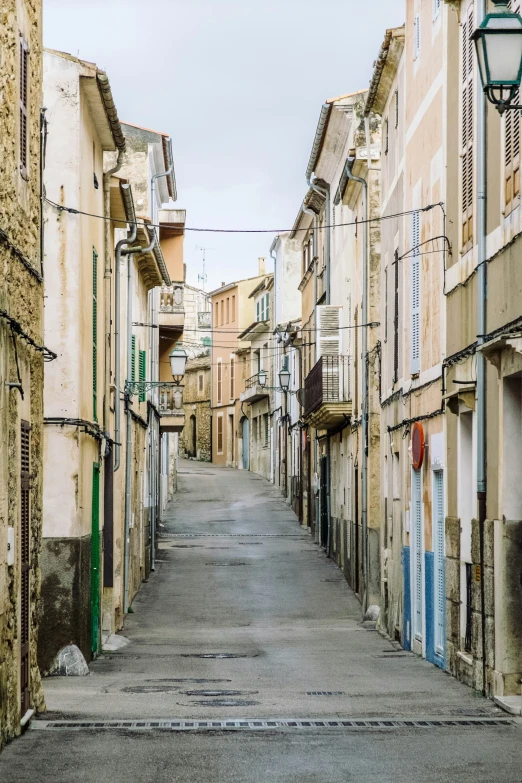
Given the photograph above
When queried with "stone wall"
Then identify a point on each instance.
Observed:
(21, 298)
(196, 435)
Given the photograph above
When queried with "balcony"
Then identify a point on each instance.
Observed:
(172, 415)
(253, 390)
(328, 392)
(172, 311)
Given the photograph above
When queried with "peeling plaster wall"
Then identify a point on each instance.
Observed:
(21, 295)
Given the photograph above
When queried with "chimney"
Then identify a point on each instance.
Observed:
(223, 285)
(261, 266)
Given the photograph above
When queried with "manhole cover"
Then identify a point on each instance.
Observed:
(219, 655)
(220, 693)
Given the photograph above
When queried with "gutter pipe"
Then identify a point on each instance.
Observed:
(275, 357)
(364, 462)
(481, 332)
(129, 251)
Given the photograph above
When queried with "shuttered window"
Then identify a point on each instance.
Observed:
(232, 377)
(25, 562)
(386, 136)
(265, 430)
(142, 369)
(439, 552)
(396, 108)
(133, 359)
(219, 381)
(24, 108)
(467, 151)
(436, 8)
(416, 36)
(220, 434)
(95, 333)
(415, 282)
(328, 335)
(396, 318)
(512, 148)
(416, 513)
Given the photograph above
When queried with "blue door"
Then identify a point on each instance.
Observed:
(246, 445)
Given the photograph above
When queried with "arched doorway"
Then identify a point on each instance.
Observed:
(193, 436)
(246, 445)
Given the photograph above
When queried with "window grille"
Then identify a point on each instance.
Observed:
(24, 106)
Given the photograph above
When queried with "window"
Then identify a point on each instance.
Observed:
(512, 149)
(200, 382)
(228, 309)
(133, 359)
(142, 369)
(220, 433)
(415, 282)
(436, 8)
(386, 300)
(386, 136)
(439, 552)
(416, 536)
(262, 308)
(232, 377)
(416, 36)
(25, 560)
(467, 131)
(396, 108)
(216, 313)
(233, 313)
(266, 436)
(222, 312)
(24, 106)
(219, 381)
(95, 334)
(396, 318)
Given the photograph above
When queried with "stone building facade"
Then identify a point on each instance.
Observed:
(22, 358)
(196, 436)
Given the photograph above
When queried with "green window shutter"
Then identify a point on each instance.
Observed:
(95, 333)
(133, 359)
(143, 374)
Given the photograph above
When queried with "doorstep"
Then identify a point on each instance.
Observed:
(510, 704)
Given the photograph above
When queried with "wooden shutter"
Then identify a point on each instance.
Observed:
(143, 374)
(25, 562)
(416, 36)
(397, 108)
(439, 550)
(415, 282)
(232, 377)
(258, 318)
(220, 434)
(396, 320)
(95, 333)
(512, 149)
(24, 109)
(467, 151)
(436, 8)
(386, 136)
(328, 334)
(416, 512)
(219, 382)
(133, 358)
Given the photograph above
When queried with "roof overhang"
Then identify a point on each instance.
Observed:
(385, 68)
(172, 222)
(258, 327)
(313, 201)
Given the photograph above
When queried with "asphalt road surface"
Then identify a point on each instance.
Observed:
(248, 662)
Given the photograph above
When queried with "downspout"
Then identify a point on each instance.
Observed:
(131, 237)
(274, 358)
(365, 449)
(129, 251)
(481, 332)
(107, 285)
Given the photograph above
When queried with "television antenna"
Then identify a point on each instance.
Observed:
(202, 278)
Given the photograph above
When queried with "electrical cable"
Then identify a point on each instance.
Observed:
(16, 327)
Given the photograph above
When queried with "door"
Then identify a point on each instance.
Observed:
(417, 554)
(246, 445)
(193, 438)
(95, 558)
(439, 552)
(357, 559)
(25, 564)
(323, 499)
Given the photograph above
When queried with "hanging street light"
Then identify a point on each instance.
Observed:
(178, 361)
(498, 42)
(262, 377)
(284, 379)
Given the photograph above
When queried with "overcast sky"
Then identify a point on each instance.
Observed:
(238, 84)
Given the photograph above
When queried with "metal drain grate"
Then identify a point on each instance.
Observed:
(198, 725)
(325, 693)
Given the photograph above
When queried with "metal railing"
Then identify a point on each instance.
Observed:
(171, 298)
(328, 381)
(251, 382)
(171, 399)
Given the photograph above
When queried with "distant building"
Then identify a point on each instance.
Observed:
(196, 436)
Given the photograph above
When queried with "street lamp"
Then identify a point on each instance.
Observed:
(284, 379)
(178, 361)
(262, 376)
(498, 42)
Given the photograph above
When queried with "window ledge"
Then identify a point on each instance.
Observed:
(466, 657)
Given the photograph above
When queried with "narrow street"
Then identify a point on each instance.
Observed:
(245, 618)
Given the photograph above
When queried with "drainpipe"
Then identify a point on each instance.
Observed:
(129, 251)
(107, 285)
(482, 294)
(365, 450)
(131, 237)
(274, 358)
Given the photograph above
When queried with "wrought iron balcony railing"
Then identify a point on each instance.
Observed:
(327, 382)
(171, 298)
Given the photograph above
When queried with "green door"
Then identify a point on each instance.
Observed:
(95, 558)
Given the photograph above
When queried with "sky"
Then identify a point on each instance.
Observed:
(238, 85)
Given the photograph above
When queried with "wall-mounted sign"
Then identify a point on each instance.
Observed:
(417, 445)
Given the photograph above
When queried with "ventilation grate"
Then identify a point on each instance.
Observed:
(206, 725)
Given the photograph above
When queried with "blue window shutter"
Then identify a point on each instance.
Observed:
(415, 298)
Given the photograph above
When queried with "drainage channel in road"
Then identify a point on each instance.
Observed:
(376, 724)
